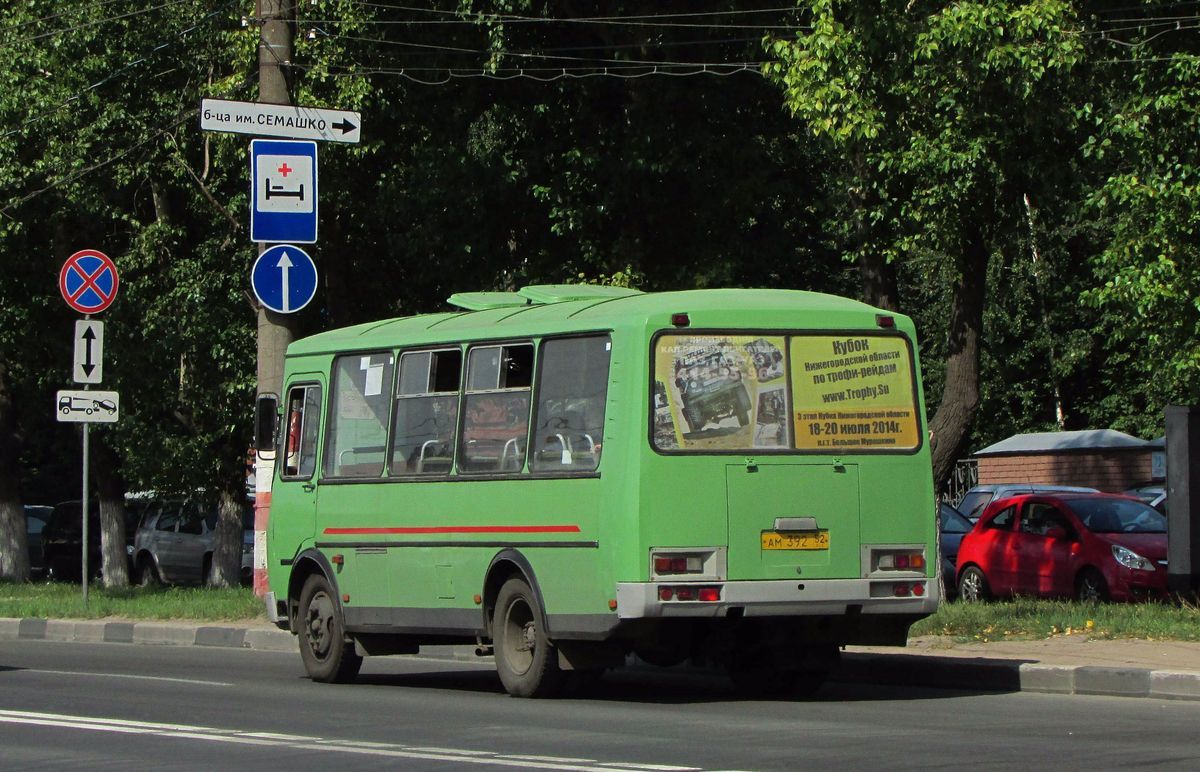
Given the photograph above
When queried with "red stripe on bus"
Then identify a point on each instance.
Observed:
(454, 529)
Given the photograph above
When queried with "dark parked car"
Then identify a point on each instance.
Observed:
(1154, 495)
(976, 499)
(175, 540)
(35, 521)
(954, 528)
(1097, 546)
(62, 540)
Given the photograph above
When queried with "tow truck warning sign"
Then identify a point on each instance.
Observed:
(853, 393)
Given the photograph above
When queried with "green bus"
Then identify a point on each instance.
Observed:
(568, 475)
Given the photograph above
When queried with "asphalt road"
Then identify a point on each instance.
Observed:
(114, 706)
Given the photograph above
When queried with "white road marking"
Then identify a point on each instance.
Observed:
(123, 675)
(294, 742)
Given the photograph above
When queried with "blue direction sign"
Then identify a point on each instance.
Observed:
(284, 278)
(283, 191)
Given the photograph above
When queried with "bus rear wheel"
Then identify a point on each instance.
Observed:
(525, 661)
(328, 656)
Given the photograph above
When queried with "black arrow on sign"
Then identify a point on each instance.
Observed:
(345, 126)
(88, 335)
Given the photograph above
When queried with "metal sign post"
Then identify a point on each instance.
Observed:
(84, 514)
(88, 282)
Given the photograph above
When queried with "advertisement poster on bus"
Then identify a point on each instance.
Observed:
(720, 392)
(853, 393)
(730, 392)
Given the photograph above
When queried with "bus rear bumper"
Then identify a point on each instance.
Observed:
(825, 597)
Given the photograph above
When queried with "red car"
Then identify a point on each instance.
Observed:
(1090, 546)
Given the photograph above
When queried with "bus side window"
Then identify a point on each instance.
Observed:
(356, 433)
(300, 437)
(572, 389)
(496, 408)
(426, 412)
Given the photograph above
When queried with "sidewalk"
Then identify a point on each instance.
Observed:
(1062, 665)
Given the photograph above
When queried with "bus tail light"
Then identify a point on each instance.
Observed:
(689, 592)
(907, 590)
(899, 560)
(678, 564)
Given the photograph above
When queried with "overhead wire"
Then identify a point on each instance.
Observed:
(120, 71)
(170, 125)
(60, 14)
(94, 23)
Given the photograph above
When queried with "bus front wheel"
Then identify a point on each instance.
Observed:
(328, 657)
(525, 661)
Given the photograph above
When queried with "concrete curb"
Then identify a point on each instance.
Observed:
(899, 669)
(1010, 675)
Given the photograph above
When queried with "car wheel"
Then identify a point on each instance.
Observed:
(1090, 587)
(525, 660)
(328, 656)
(973, 585)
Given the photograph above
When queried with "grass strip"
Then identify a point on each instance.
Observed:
(56, 600)
(1033, 619)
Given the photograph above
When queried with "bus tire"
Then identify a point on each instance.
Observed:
(525, 660)
(328, 656)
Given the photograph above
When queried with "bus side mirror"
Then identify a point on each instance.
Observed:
(266, 422)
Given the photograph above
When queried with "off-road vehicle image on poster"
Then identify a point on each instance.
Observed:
(710, 386)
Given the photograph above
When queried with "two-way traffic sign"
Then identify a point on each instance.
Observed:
(292, 121)
(89, 352)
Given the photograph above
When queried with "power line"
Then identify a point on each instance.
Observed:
(644, 20)
(516, 54)
(118, 72)
(96, 23)
(549, 74)
(59, 15)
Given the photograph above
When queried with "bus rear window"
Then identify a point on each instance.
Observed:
(815, 393)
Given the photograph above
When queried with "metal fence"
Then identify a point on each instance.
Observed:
(964, 477)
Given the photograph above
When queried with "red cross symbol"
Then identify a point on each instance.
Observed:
(285, 169)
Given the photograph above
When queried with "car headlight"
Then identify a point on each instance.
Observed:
(1131, 559)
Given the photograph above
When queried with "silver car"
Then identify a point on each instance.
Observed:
(175, 540)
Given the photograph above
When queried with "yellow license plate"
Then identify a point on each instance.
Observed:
(809, 540)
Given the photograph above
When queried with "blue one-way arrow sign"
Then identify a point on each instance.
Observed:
(284, 278)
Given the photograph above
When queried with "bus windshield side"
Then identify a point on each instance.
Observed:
(822, 393)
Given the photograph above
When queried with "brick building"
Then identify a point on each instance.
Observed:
(1097, 458)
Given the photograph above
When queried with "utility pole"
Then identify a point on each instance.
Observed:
(275, 331)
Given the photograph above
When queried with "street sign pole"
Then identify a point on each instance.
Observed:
(84, 513)
(88, 282)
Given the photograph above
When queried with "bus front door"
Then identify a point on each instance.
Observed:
(294, 497)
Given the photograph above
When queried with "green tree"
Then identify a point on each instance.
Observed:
(937, 118)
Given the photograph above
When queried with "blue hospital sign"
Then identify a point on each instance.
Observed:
(283, 195)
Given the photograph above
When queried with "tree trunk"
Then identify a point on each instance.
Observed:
(879, 287)
(960, 395)
(227, 552)
(14, 543)
(114, 559)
